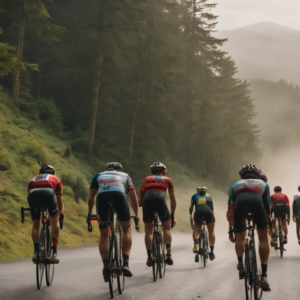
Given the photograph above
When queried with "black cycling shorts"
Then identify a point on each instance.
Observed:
(154, 202)
(203, 211)
(39, 198)
(252, 201)
(296, 207)
(281, 211)
(120, 205)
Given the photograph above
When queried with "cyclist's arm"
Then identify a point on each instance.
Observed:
(92, 198)
(133, 201)
(266, 200)
(142, 193)
(173, 201)
(59, 193)
(192, 207)
(230, 212)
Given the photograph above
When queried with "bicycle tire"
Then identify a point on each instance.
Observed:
(40, 265)
(111, 264)
(155, 256)
(256, 289)
(205, 250)
(49, 267)
(119, 260)
(281, 245)
(162, 256)
(248, 274)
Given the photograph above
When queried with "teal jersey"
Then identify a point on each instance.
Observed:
(198, 201)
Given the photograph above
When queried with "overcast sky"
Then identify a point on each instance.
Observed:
(238, 13)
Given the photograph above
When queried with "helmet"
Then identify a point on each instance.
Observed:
(201, 189)
(250, 170)
(277, 189)
(115, 165)
(158, 167)
(47, 169)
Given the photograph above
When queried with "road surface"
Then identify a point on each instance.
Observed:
(78, 276)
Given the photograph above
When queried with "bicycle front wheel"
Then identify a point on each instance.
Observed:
(119, 260)
(155, 246)
(281, 245)
(49, 267)
(162, 257)
(248, 274)
(40, 262)
(257, 291)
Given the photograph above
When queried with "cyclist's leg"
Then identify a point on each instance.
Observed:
(284, 227)
(298, 227)
(148, 242)
(196, 232)
(211, 234)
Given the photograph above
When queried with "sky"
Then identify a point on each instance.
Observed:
(238, 13)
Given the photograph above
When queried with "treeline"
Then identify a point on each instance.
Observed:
(277, 104)
(133, 81)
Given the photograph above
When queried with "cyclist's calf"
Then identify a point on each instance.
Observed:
(264, 247)
(127, 239)
(166, 226)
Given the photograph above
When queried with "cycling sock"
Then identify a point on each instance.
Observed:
(54, 249)
(36, 247)
(105, 263)
(168, 247)
(240, 259)
(149, 252)
(212, 249)
(264, 270)
(126, 260)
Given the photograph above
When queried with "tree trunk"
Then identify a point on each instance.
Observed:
(20, 51)
(95, 97)
(191, 93)
(136, 106)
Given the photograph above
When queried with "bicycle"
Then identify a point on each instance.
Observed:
(115, 255)
(45, 249)
(252, 265)
(202, 244)
(280, 214)
(158, 250)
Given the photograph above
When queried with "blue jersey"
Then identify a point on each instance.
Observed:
(112, 181)
(199, 200)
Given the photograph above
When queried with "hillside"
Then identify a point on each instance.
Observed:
(264, 50)
(24, 145)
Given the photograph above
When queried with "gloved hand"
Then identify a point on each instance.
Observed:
(173, 223)
(192, 223)
(90, 228)
(137, 224)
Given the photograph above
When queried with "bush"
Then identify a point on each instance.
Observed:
(35, 151)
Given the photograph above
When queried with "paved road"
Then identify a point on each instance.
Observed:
(78, 276)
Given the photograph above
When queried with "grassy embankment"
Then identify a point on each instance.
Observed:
(24, 146)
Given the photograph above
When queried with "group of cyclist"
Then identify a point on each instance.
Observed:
(250, 194)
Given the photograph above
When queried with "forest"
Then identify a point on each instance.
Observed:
(130, 81)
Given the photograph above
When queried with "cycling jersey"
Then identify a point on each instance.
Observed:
(296, 205)
(198, 201)
(109, 181)
(45, 181)
(254, 186)
(156, 183)
(279, 198)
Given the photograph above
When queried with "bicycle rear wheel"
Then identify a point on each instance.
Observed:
(257, 291)
(112, 264)
(119, 260)
(281, 245)
(49, 267)
(205, 250)
(162, 256)
(40, 262)
(248, 274)
(155, 255)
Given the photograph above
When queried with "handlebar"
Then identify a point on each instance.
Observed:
(232, 237)
(22, 213)
(89, 219)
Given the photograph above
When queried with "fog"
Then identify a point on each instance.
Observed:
(238, 13)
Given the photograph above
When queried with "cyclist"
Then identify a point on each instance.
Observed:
(152, 199)
(296, 213)
(41, 191)
(253, 193)
(280, 204)
(203, 208)
(113, 184)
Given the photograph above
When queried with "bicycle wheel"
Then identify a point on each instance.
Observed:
(119, 260)
(162, 256)
(248, 274)
(49, 267)
(257, 291)
(112, 264)
(155, 256)
(281, 245)
(41, 258)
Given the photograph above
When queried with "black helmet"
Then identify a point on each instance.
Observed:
(250, 170)
(116, 165)
(47, 169)
(158, 167)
